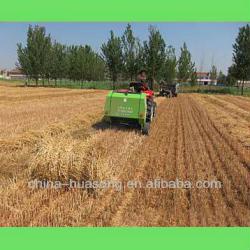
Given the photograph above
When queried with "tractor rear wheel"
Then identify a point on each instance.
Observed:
(145, 128)
(154, 108)
(150, 111)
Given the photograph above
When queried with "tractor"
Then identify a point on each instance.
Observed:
(168, 90)
(133, 106)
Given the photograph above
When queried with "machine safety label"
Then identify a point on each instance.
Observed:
(124, 110)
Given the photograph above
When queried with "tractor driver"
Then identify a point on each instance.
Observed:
(140, 84)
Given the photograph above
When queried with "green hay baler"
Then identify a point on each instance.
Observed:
(129, 108)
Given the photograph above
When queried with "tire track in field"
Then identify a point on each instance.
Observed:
(135, 163)
(108, 201)
(133, 196)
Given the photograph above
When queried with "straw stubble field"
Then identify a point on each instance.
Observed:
(57, 134)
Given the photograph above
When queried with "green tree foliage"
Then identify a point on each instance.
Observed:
(222, 79)
(154, 53)
(33, 58)
(241, 55)
(45, 57)
(113, 56)
(83, 57)
(72, 57)
(130, 47)
(84, 64)
(213, 73)
(169, 70)
(121, 57)
(99, 69)
(231, 79)
(41, 58)
(58, 63)
(23, 61)
(140, 58)
(185, 65)
(193, 77)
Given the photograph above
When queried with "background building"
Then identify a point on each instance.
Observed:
(203, 78)
(14, 74)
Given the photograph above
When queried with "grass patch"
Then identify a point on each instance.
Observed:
(68, 84)
(213, 90)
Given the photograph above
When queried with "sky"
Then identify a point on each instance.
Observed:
(209, 43)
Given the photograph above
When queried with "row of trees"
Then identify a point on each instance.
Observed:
(221, 78)
(126, 55)
(120, 59)
(45, 59)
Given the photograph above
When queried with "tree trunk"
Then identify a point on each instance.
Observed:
(242, 87)
(113, 81)
(36, 82)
